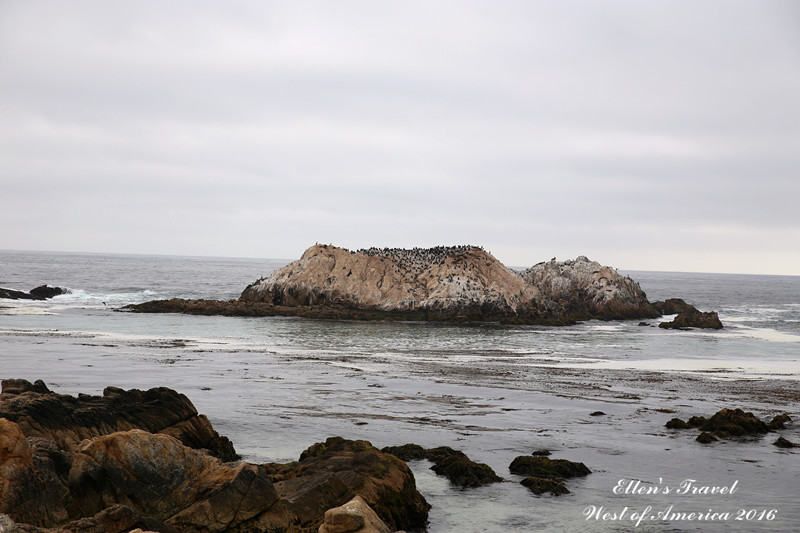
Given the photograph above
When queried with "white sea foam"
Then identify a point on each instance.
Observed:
(23, 310)
(767, 334)
(80, 297)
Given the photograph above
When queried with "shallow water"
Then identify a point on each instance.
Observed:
(277, 385)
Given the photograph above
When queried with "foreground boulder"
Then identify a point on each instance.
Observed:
(728, 424)
(134, 478)
(161, 478)
(67, 420)
(545, 474)
(43, 292)
(331, 473)
(353, 517)
(450, 463)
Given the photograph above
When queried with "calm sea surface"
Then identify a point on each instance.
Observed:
(277, 385)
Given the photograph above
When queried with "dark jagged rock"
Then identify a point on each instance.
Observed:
(133, 478)
(545, 474)
(32, 482)
(450, 463)
(68, 420)
(677, 423)
(539, 485)
(785, 443)
(115, 519)
(674, 306)
(460, 283)
(706, 438)
(460, 469)
(346, 468)
(407, 452)
(11, 294)
(697, 421)
(544, 467)
(730, 423)
(43, 292)
(166, 480)
(694, 319)
(779, 422)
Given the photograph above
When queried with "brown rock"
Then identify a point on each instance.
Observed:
(694, 319)
(539, 486)
(338, 469)
(450, 463)
(677, 423)
(779, 422)
(785, 443)
(729, 423)
(31, 490)
(354, 516)
(166, 480)
(544, 467)
(674, 306)
(137, 479)
(460, 469)
(67, 420)
(706, 438)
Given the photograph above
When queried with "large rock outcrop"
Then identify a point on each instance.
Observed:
(450, 283)
(118, 480)
(68, 420)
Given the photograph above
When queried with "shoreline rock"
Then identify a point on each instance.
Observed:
(454, 284)
(109, 479)
(42, 292)
(68, 420)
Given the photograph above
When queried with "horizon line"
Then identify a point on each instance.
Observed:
(513, 267)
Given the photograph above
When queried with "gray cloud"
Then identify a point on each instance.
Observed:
(652, 135)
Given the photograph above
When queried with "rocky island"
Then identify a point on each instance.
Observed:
(456, 283)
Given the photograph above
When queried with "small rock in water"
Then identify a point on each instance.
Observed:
(544, 467)
(450, 463)
(677, 423)
(541, 453)
(785, 443)
(779, 422)
(597, 413)
(706, 438)
(547, 475)
(407, 452)
(539, 485)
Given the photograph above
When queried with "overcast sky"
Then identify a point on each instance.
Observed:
(647, 135)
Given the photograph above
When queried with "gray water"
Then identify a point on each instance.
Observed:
(276, 385)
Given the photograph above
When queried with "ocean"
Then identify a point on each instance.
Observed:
(276, 385)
